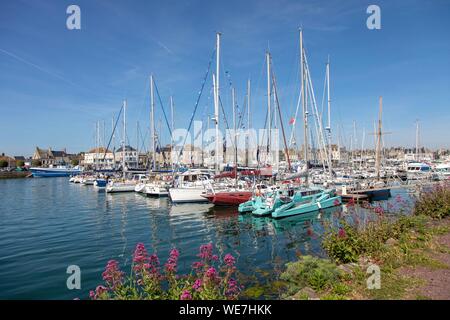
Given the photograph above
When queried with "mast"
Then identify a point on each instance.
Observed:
(417, 141)
(355, 144)
(233, 98)
(114, 143)
(96, 146)
(378, 149)
(137, 144)
(269, 118)
(152, 120)
(124, 136)
(328, 128)
(171, 136)
(216, 84)
(277, 103)
(302, 93)
(248, 123)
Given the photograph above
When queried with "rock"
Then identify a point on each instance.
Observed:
(347, 268)
(363, 261)
(306, 292)
(391, 242)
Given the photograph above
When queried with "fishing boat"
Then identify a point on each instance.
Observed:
(59, 171)
(300, 204)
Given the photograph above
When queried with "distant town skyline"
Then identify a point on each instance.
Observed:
(57, 83)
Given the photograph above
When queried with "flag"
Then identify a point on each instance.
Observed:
(292, 121)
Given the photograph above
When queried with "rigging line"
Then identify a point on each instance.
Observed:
(162, 106)
(242, 113)
(112, 134)
(197, 102)
(226, 122)
(144, 144)
(323, 96)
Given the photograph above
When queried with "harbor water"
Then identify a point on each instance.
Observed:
(48, 224)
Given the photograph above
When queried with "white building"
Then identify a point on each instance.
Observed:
(97, 157)
(131, 157)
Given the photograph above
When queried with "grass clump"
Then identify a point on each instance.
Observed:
(435, 203)
(321, 275)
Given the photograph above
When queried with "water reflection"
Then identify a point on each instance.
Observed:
(51, 224)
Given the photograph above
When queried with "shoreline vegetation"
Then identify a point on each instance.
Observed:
(410, 247)
(14, 174)
(411, 250)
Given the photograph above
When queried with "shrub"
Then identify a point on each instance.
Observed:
(148, 280)
(75, 162)
(20, 163)
(349, 243)
(319, 274)
(3, 163)
(36, 163)
(344, 245)
(435, 203)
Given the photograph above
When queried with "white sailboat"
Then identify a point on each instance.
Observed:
(190, 186)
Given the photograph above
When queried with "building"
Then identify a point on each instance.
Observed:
(51, 157)
(9, 161)
(99, 158)
(131, 156)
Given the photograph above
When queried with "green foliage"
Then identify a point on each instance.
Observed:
(435, 203)
(75, 162)
(3, 163)
(348, 243)
(36, 163)
(20, 163)
(343, 246)
(318, 274)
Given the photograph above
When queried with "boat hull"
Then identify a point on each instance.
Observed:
(155, 191)
(234, 198)
(292, 209)
(187, 195)
(53, 172)
(120, 188)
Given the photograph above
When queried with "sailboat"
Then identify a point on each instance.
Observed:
(123, 184)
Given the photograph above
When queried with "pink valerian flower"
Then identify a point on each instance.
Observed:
(98, 292)
(197, 286)
(341, 233)
(153, 264)
(232, 288)
(171, 264)
(140, 258)
(379, 210)
(229, 260)
(206, 252)
(186, 295)
(211, 273)
(197, 265)
(112, 274)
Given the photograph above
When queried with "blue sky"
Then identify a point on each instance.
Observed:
(56, 83)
